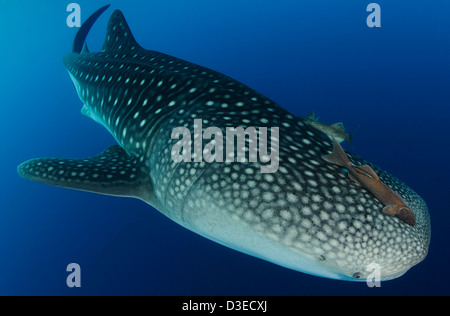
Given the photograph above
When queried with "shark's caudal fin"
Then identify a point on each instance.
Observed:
(118, 34)
(85, 28)
(112, 172)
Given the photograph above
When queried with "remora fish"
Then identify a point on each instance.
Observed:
(307, 216)
(336, 130)
(364, 175)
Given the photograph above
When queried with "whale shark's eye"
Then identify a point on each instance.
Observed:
(357, 275)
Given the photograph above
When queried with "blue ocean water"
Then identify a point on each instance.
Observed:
(392, 81)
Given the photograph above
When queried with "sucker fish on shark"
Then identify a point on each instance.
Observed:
(307, 216)
(334, 131)
(364, 175)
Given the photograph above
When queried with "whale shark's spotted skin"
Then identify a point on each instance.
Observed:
(307, 216)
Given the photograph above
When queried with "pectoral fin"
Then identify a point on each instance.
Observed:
(352, 178)
(367, 171)
(113, 172)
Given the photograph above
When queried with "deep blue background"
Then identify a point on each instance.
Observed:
(306, 55)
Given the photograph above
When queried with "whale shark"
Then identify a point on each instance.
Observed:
(307, 215)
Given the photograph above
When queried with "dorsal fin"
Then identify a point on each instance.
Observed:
(118, 34)
(84, 30)
(85, 49)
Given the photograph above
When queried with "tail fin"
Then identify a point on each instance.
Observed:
(84, 30)
(338, 156)
(350, 139)
(312, 116)
(350, 136)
